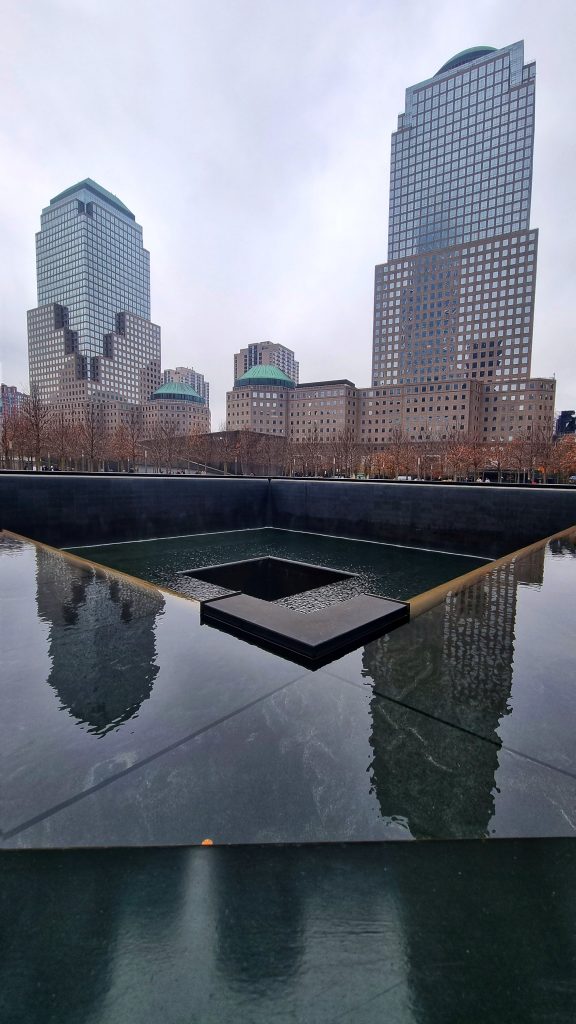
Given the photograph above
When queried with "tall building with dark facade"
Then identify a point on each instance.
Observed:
(454, 304)
(91, 330)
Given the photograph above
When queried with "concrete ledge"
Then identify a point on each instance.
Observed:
(312, 639)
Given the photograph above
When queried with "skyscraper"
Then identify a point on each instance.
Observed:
(266, 353)
(188, 375)
(454, 304)
(92, 323)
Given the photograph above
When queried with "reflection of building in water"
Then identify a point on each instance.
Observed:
(563, 546)
(113, 894)
(102, 641)
(272, 951)
(478, 644)
(455, 664)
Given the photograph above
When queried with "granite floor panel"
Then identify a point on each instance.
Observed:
(319, 761)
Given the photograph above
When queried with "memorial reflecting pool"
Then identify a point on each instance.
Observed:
(383, 569)
(126, 722)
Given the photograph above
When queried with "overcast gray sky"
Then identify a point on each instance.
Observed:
(251, 138)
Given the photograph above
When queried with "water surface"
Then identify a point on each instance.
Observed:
(383, 569)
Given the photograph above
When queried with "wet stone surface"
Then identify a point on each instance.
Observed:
(271, 935)
(125, 721)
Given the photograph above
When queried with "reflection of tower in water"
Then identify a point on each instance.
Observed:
(478, 642)
(101, 641)
(455, 663)
(260, 918)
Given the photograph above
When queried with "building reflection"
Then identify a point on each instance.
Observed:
(71, 920)
(270, 951)
(101, 641)
(454, 664)
(563, 546)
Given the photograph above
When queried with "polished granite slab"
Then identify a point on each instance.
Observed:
(421, 933)
(319, 761)
(125, 721)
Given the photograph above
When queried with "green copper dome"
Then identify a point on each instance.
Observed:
(465, 57)
(265, 376)
(177, 392)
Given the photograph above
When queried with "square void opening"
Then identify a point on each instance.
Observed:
(268, 579)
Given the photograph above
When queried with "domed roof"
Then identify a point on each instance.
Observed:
(465, 57)
(177, 391)
(261, 375)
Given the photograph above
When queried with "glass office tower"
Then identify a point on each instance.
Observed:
(91, 266)
(454, 304)
(461, 167)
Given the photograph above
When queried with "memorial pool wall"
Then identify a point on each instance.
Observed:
(485, 520)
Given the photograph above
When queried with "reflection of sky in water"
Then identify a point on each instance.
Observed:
(383, 568)
(155, 729)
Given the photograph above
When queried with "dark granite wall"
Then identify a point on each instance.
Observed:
(72, 510)
(478, 519)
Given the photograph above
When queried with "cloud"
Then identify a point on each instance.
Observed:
(252, 142)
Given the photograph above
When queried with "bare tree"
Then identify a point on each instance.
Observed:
(346, 452)
(225, 448)
(268, 451)
(155, 445)
(476, 456)
(9, 421)
(246, 447)
(36, 417)
(125, 445)
(315, 452)
(199, 448)
(61, 437)
(134, 433)
(91, 434)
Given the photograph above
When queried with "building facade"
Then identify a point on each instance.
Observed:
(454, 304)
(188, 375)
(92, 323)
(259, 400)
(177, 407)
(566, 423)
(266, 353)
(323, 410)
(11, 400)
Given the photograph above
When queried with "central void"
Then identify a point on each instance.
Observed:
(385, 570)
(269, 579)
